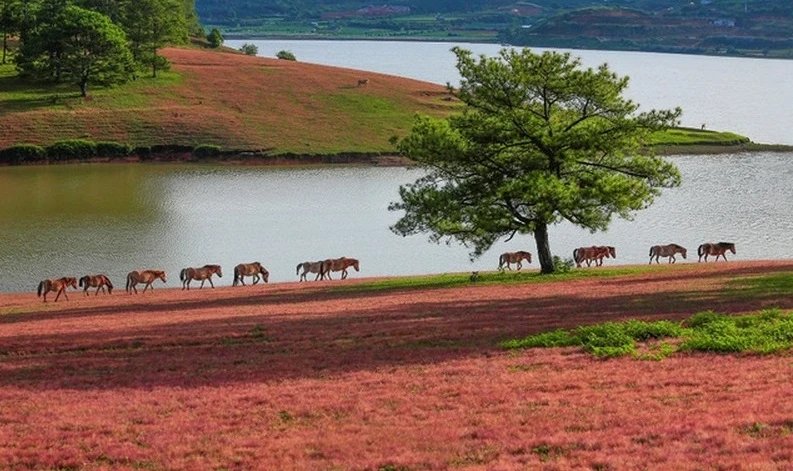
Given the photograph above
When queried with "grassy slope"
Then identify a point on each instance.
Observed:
(242, 102)
(232, 100)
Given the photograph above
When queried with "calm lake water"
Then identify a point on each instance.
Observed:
(80, 219)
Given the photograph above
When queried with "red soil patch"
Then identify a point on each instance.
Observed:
(303, 376)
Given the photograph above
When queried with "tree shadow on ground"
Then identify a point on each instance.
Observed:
(284, 334)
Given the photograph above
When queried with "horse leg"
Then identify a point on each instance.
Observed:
(58, 295)
(520, 265)
(344, 274)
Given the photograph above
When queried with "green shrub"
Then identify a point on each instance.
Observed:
(249, 49)
(286, 55)
(214, 38)
(563, 265)
(206, 151)
(112, 149)
(554, 338)
(72, 149)
(20, 153)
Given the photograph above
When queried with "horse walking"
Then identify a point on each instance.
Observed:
(340, 264)
(203, 274)
(100, 282)
(59, 286)
(310, 267)
(593, 253)
(718, 249)
(508, 258)
(670, 250)
(146, 277)
(254, 269)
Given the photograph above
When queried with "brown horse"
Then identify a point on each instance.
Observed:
(96, 281)
(657, 251)
(310, 267)
(58, 286)
(204, 274)
(143, 276)
(340, 264)
(593, 253)
(363, 82)
(508, 258)
(718, 249)
(250, 269)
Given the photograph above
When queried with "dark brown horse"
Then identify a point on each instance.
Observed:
(204, 274)
(310, 267)
(143, 276)
(718, 249)
(508, 258)
(657, 251)
(58, 286)
(340, 264)
(593, 253)
(100, 282)
(250, 269)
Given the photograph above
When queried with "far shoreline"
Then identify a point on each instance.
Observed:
(373, 159)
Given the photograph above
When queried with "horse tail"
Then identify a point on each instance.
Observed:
(236, 276)
(652, 251)
(41, 287)
(501, 260)
(129, 281)
(701, 250)
(82, 281)
(109, 284)
(576, 253)
(297, 272)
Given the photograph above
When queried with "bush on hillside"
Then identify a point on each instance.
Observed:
(206, 151)
(286, 55)
(72, 149)
(215, 38)
(249, 49)
(112, 149)
(19, 153)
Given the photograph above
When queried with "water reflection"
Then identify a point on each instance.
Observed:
(75, 219)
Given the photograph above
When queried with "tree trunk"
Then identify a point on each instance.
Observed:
(84, 88)
(5, 46)
(543, 249)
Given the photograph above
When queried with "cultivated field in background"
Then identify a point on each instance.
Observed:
(355, 376)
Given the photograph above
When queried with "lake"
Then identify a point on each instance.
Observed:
(113, 218)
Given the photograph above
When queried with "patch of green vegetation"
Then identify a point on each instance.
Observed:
(764, 286)
(19, 95)
(450, 280)
(767, 332)
(690, 136)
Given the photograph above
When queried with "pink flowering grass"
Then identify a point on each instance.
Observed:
(300, 376)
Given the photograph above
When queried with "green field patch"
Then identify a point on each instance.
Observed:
(766, 332)
(775, 285)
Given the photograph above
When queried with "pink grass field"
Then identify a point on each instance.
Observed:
(304, 376)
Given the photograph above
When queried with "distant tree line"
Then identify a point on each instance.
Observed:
(101, 42)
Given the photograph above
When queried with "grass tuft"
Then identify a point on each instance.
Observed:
(766, 332)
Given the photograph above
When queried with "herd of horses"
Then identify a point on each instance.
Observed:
(187, 275)
(596, 253)
(323, 269)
